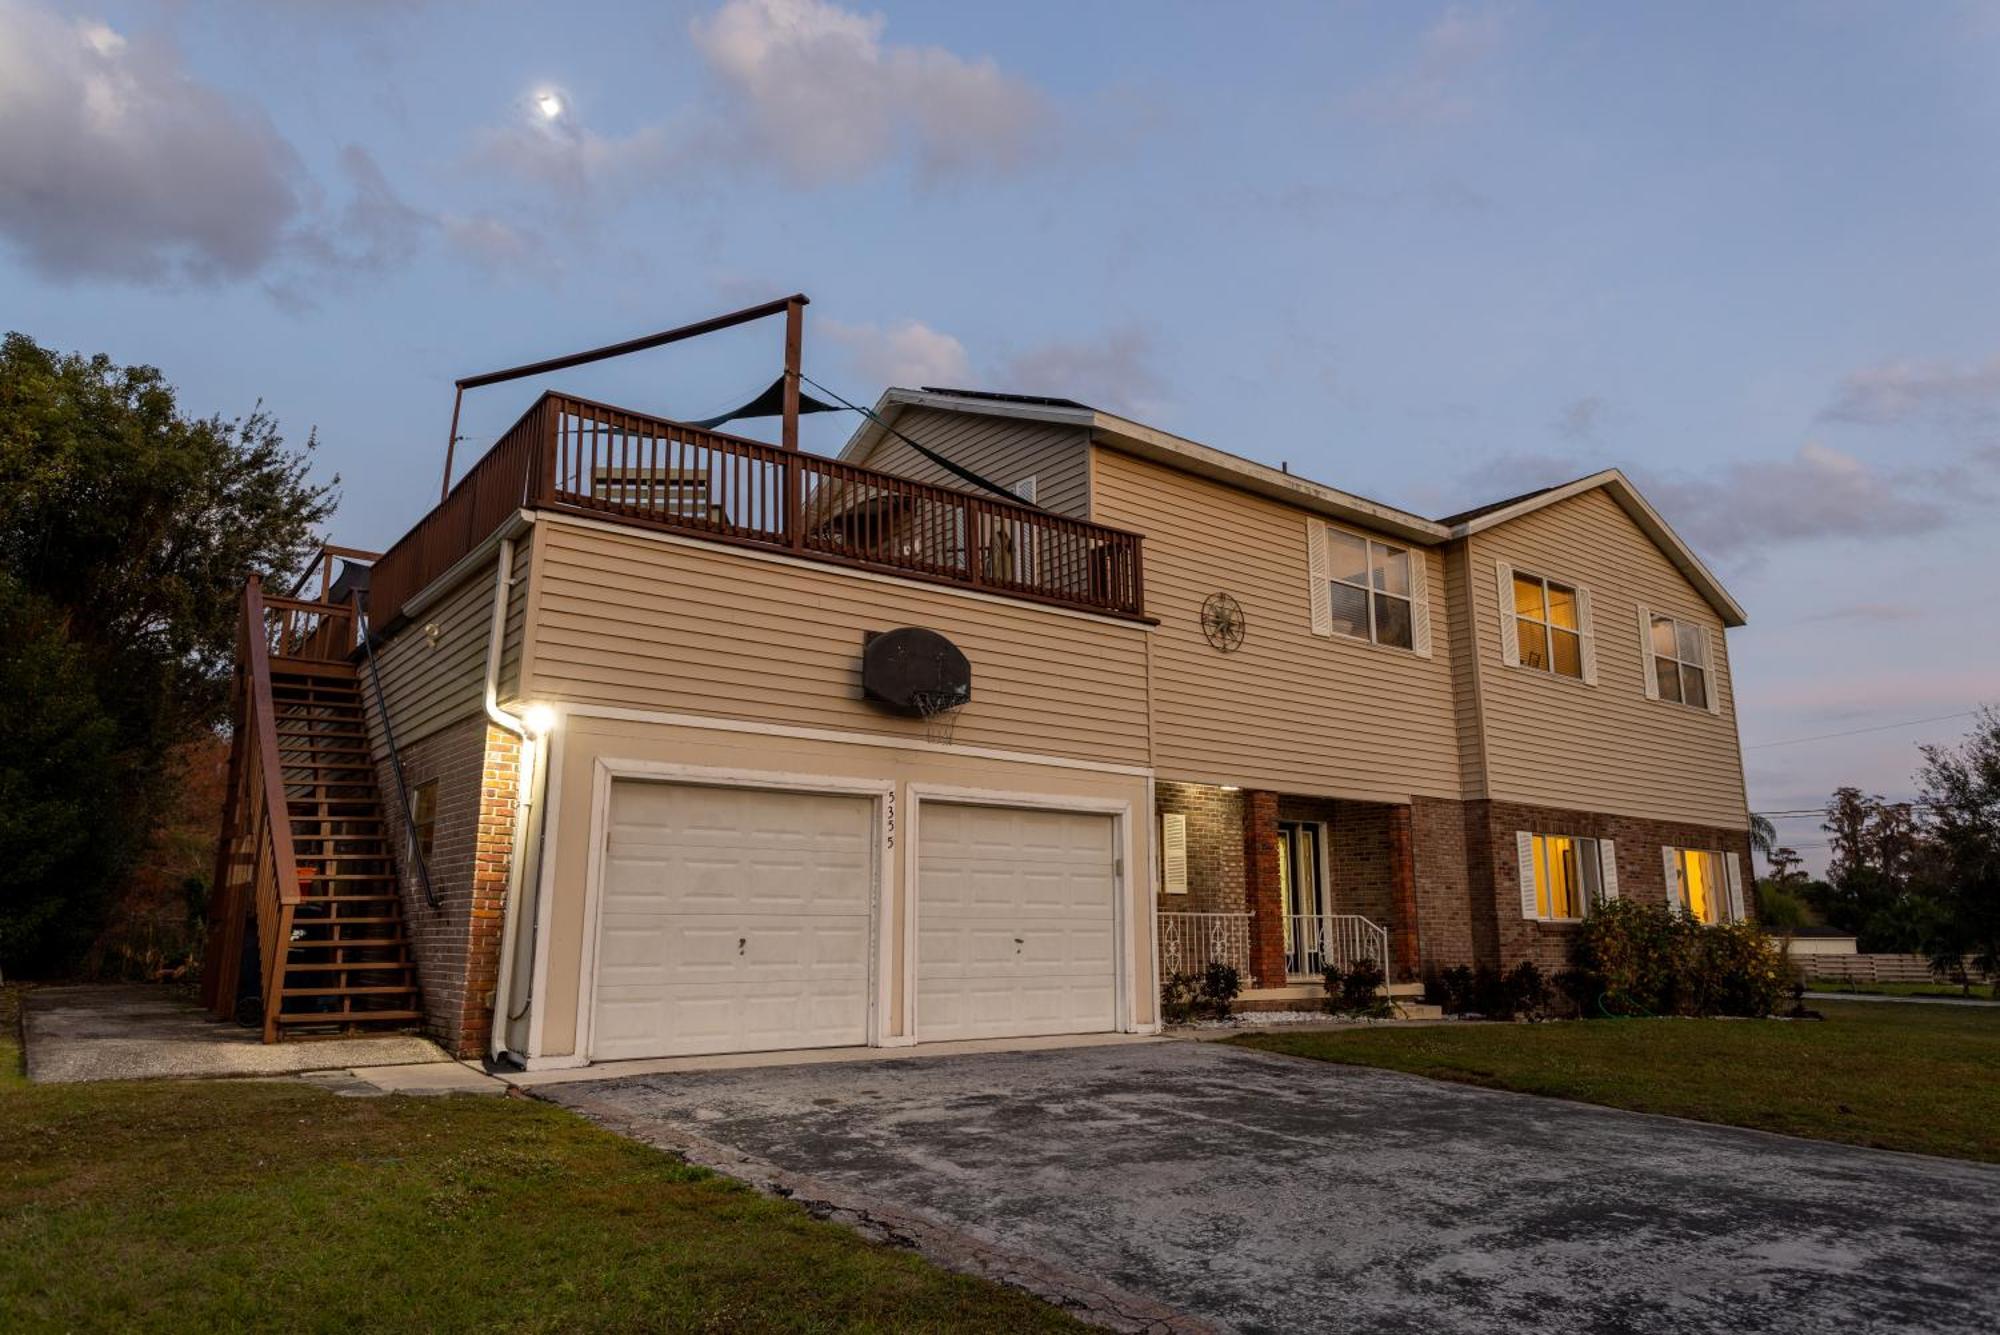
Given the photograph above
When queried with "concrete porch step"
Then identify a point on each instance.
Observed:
(1408, 998)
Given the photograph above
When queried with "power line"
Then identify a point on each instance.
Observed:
(1856, 732)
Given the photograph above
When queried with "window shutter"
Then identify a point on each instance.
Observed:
(1732, 875)
(1173, 853)
(1586, 633)
(1607, 854)
(1420, 603)
(1714, 667)
(1025, 489)
(1524, 843)
(1322, 597)
(1510, 634)
(1651, 668)
(1671, 862)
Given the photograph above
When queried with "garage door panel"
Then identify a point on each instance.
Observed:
(732, 920)
(1016, 915)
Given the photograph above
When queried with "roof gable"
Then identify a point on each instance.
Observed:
(1246, 474)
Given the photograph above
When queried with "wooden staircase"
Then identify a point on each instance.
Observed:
(348, 966)
(307, 895)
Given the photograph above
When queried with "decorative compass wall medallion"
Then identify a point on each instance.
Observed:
(1222, 622)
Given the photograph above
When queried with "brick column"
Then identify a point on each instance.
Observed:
(1405, 947)
(493, 851)
(1260, 889)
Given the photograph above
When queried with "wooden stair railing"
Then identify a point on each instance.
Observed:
(304, 854)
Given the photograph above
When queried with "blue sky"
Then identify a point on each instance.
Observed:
(1433, 254)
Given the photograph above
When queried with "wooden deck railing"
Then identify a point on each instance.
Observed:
(255, 864)
(587, 458)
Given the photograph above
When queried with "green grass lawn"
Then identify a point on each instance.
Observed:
(1979, 992)
(1923, 1078)
(230, 1205)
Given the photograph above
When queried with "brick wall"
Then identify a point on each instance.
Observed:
(1214, 846)
(457, 944)
(1442, 849)
(1641, 873)
(1259, 835)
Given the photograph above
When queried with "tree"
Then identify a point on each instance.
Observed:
(126, 532)
(1960, 870)
(1874, 847)
(1763, 835)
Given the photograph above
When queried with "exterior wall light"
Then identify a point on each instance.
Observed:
(539, 720)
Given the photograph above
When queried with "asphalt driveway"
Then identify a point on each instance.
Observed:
(1267, 1193)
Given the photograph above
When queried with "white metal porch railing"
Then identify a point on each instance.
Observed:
(1190, 942)
(1315, 940)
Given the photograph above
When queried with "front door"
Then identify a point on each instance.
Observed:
(1304, 896)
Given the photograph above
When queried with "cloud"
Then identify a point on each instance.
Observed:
(1114, 371)
(1581, 419)
(116, 162)
(1873, 613)
(1751, 506)
(1900, 393)
(820, 94)
(907, 353)
(561, 153)
(1444, 81)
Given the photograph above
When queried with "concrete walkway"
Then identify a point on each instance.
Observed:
(132, 1031)
(1257, 1192)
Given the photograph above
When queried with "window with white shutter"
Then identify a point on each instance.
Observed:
(1364, 589)
(1607, 858)
(1510, 643)
(1567, 875)
(1705, 882)
(1545, 626)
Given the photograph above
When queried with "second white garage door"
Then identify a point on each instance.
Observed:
(1015, 922)
(732, 920)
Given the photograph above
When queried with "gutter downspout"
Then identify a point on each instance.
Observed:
(525, 800)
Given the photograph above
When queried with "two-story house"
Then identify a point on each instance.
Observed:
(1431, 741)
(651, 740)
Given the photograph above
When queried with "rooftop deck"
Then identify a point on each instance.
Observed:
(570, 455)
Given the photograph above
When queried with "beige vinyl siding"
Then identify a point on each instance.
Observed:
(646, 622)
(1003, 450)
(426, 687)
(1290, 710)
(514, 638)
(1553, 741)
(1465, 674)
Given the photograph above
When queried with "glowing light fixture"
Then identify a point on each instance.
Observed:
(549, 103)
(538, 720)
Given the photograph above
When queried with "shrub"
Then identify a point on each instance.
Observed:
(1451, 989)
(1527, 993)
(1220, 985)
(1357, 992)
(1640, 959)
(1178, 996)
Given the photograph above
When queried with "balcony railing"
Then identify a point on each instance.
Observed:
(570, 454)
(1315, 940)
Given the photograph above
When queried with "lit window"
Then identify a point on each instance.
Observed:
(1569, 877)
(1547, 626)
(1702, 890)
(1680, 661)
(1369, 590)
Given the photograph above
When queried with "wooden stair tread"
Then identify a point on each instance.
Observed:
(338, 1017)
(349, 943)
(352, 966)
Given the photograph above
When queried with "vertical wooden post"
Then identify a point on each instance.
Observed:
(795, 311)
(795, 529)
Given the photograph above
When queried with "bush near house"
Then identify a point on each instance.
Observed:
(1211, 994)
(1357, 992)
(1637, 959)
(1521, 993)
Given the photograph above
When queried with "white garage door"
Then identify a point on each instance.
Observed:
(732, 920)
(1014, 922)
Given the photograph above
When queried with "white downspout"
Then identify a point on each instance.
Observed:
(503, 986)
